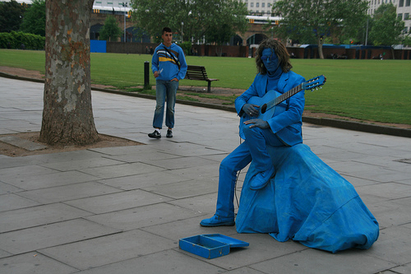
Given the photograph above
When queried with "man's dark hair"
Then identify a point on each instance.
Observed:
(166, 29)
(279, 49)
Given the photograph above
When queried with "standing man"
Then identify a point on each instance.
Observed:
(169, 67)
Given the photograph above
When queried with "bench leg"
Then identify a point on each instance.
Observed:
(209, 86)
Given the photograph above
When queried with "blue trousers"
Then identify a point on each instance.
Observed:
(253, 148)
(165, 90)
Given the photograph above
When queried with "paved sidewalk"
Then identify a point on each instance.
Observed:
(123, 209)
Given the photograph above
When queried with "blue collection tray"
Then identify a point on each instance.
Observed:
(210, 245)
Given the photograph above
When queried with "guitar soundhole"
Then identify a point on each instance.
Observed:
(264, 108)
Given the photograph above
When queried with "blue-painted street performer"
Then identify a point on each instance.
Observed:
(284, 129)
(288, 191)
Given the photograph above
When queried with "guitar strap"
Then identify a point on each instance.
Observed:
(175, 60)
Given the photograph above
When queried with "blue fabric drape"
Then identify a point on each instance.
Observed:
(307, 201)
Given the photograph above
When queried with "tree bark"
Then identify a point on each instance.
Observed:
(67, 113)
(320, 48)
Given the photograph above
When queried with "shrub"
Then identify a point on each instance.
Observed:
(21, 40)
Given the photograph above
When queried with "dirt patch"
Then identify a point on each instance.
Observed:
(17, 151)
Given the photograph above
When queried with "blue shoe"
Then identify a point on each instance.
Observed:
(218, 221)
(261, 179)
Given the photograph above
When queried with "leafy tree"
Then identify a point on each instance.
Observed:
(387, 27)
(11, 16)
(310, 21)
(35, 18)
(110, 31)
(192, 19)
(407, 40)
(67, 112)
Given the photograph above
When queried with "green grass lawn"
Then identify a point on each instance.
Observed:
(371, 90)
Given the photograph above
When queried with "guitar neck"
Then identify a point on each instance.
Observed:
(288, 94)
(310, 84)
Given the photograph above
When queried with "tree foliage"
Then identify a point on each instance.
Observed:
(34, 20)
(386, 26)
(110, 31)
(21, 40)
(310, 21)
(213, 19)
(11, 16)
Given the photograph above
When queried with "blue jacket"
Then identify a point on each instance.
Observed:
(162, 61)
(286, 125)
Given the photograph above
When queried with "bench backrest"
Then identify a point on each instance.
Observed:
(196, 73)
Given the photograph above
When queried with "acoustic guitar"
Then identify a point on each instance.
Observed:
(271, 104)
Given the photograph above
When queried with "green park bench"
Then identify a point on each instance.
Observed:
(199, 73)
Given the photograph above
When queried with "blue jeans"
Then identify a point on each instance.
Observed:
(165, 90)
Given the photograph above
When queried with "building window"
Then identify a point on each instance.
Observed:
(401, 3)
(399, 16)
(406, 16)
(257, 5)
(252, 5)
(263, 5)
(407, 3)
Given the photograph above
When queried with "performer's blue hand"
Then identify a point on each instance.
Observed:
(251, 110)
(257, 123)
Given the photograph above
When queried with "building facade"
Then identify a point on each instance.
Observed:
(403, 10)
(259, 7)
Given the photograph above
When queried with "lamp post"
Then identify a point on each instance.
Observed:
(124, 4)
(182, 31)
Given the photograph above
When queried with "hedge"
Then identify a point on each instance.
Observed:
(21, 40)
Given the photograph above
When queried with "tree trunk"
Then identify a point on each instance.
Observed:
(320, 48)
(67, 113)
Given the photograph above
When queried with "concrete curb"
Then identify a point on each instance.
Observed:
(312, 120)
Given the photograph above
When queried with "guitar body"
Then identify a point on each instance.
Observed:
(273, 102)
(260, 101)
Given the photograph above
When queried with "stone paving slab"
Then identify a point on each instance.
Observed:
(140, 181)
(185, 189)
(49, 180)
(394, 245)
(4, 254)
(13, 201)
(82, 164)
(39, 215)
(143, 216)
(8, 189)
(11, 174)
(312, 261)
(23, 143)
(40, 237)
(118, 201)
(120, 170)
(68, 192)
(33, 263)
(106, 250)
(168, 261)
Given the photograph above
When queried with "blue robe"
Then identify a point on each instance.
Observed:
(307, 201)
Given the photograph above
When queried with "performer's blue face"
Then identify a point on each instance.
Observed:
(270, 60)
